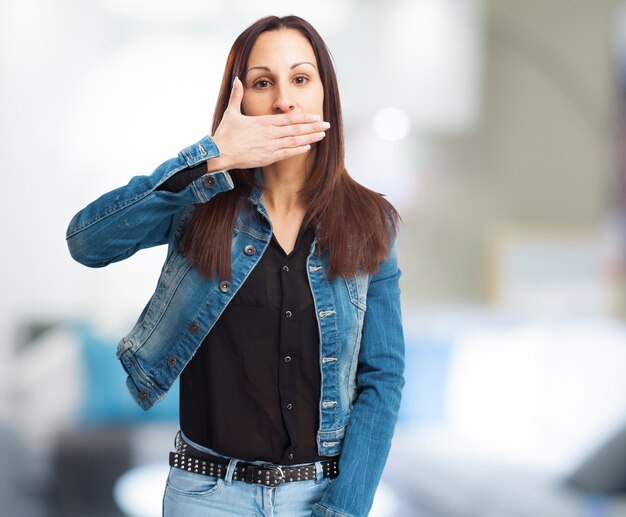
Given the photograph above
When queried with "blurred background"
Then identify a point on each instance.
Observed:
(497, 128)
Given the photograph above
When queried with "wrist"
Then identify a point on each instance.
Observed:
(219, 163)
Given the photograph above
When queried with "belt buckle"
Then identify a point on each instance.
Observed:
(280, 477)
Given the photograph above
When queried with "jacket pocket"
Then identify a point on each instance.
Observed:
(357, 290)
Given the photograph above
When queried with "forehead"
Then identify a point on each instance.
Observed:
(281, 46)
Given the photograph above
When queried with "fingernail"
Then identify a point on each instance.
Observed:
(326, 125)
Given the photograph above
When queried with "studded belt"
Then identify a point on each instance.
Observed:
(191, 459)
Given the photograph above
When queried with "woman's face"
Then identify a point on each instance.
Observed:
(282, 76)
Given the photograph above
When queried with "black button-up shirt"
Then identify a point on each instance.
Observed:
(252, 389)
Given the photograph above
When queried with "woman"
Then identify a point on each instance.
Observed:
(278, 303)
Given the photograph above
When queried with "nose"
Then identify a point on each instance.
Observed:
(282, 102)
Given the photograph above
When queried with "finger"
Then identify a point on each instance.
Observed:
(300, 129)
(236, 95)
(285, 119)
(283, 154)
(290, 142)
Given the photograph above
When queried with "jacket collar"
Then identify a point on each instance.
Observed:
(256, 198)
(256, 193)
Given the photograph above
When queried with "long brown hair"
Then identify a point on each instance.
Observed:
(354, 224)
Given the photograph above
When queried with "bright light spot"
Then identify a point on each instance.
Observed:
(392, 124)
(385, 502)
(428, 57)
(391, 168)
(139, 491)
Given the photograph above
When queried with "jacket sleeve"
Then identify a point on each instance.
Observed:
(380, 379)
(140, 214)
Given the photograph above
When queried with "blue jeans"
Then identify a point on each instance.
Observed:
(188, 494)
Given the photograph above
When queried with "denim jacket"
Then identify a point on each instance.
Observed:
(359, 319)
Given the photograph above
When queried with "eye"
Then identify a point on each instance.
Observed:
(261, 84)
(301, 79)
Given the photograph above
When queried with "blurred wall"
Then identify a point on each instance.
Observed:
(542, 153)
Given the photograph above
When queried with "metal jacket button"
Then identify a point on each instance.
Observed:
(287, 359)
(209, 181)
(171, 361)
(288, 314)
(144, 395)
(249, 250)
(193, 327)
(289, 406)
(225, 286)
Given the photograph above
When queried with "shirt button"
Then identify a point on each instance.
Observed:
(289, 406)
(249, 250)
(209, 181)
(291, 456)
(286, 269)
(144, 395)
(288, 314)
(287, 359)
(225, 286)
(171, 361)
(193, 327)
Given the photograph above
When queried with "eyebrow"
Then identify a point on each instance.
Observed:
(267, 68)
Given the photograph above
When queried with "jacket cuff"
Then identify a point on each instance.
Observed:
(183, 179)
(201, 151)
(209, 185)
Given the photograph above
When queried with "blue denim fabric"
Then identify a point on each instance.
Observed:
(194, 495)
(359, 318)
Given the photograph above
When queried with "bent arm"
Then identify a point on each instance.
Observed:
(141, 214)
(380, 379)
